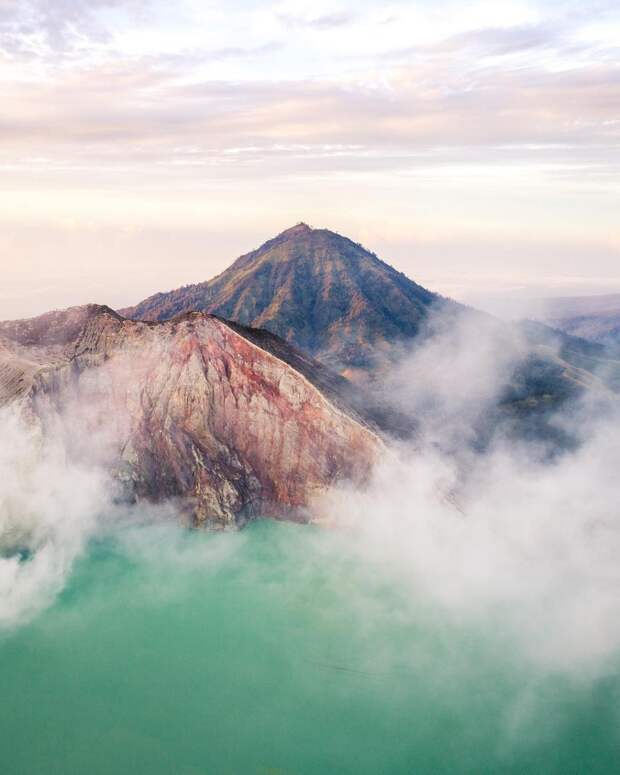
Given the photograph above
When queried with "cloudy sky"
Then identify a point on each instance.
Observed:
(146, 143)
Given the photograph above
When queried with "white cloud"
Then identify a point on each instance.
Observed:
(525, 547)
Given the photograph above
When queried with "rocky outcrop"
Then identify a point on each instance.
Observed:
(231, 422)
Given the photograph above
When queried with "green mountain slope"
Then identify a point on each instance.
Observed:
(318, 290)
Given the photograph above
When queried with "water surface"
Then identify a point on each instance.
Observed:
(269, 652)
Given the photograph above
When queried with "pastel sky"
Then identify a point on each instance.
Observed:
(145, 144)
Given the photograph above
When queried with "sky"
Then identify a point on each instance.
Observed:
(145, 144)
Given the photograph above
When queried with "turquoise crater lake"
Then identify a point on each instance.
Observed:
(268, 652)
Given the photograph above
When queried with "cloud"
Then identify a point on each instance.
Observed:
(48, 510)
(470, 96)
(144, 110)
(502, 538)
(321, 22)
(41, 28)
(497, 41)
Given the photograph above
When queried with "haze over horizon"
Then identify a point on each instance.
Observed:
(145, 146)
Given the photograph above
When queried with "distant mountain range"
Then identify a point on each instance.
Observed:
(323, 293)
(596, 318)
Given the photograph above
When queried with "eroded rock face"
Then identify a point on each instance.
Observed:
(230, 422)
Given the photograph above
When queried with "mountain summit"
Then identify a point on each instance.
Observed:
(320, 291)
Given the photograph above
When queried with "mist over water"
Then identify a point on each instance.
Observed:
(48, 509)
(460, 614)
(271, 651)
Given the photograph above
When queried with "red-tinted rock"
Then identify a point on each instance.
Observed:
(232, 422)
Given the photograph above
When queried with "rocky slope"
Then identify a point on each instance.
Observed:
(232, 422)
(317, 290)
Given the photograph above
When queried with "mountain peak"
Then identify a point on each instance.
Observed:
(299, 228)
(316, 289)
